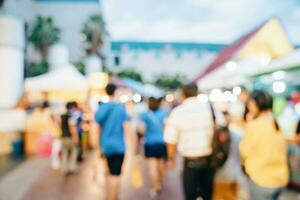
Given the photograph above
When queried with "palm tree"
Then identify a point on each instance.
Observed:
(93, 34)
(42, 33)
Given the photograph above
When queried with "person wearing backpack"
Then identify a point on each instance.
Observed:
(152, 125)
(264, 150)
(70, 139)
(113, 122)
(190, 129)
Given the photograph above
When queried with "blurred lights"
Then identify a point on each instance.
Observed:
(279, 87)
(137, 98)
(231, 66)
(217, 95)
(265, 59)
(124, 98)
(237, 91)
(98, 80)
(202, 98)
(170, 98)
(278, 75)
(105, 99)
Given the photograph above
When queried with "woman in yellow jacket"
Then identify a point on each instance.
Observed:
(264, 150)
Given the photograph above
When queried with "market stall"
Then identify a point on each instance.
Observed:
(62, 84)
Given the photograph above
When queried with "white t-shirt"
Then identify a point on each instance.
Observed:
(190, 126)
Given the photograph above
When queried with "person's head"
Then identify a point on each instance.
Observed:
(71, 106)
(45, 105)
(244, 95)
(154, 103)
(110, 89)
(259, 102)
(189, 90)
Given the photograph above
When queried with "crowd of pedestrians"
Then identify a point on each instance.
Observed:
(208, 139)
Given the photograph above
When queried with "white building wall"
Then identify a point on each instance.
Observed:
(152, 63)
(69, 16)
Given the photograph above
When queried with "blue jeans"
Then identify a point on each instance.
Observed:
(262, 193)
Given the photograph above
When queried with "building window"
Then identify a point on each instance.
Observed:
(178, 55)
(117, 61)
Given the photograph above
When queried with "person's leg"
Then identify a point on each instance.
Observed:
(115, 163)
(276, 194)
(113, 187)
(207, 182)
(153, 166)
(262, 193)
(80, 150)
(161, 170)
(73, 157)
(64, 159)
(189, 182)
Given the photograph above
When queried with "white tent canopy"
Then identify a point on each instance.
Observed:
(66, 78)
(223, 78)
(282, 63)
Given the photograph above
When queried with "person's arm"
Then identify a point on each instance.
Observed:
(171, 136)
(73, 131)
(171, 152)
(141, 127)
(96, 130)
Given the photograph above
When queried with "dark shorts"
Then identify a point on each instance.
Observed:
(115, 163)
(155, 151)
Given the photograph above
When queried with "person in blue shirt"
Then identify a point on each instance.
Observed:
(113, 120)
(152, 125)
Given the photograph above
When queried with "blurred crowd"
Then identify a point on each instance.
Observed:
(229, 150)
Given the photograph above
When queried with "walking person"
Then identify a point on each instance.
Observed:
(113, 122)
(152, 125)
(70, 139)
(264, 150)
(190, 128)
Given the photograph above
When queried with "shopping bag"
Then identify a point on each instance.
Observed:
(44, 146)
(55, 154)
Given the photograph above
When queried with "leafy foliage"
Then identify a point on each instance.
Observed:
(32, 70)
(169, 82)
(1, 3)
(42, 33)
(80, 67)
(130, 73)
(93, 33)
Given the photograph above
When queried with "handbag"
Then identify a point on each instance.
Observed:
(220, 143)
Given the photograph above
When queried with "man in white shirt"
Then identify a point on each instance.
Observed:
(190, 129)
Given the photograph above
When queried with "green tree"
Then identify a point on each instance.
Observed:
(1, 3)
(169, 82)
(42, 33)
(93, 34)
(80, 67)
(32, 69)
(130, 73)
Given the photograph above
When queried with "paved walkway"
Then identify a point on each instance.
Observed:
(89, 183)
(14, 185)
(35, 180)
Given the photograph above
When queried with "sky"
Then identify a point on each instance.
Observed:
(216, 21)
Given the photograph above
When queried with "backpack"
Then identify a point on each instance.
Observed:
(220, 144)
(65, 125)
